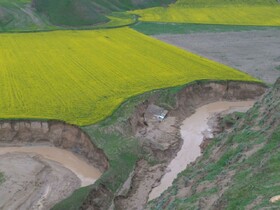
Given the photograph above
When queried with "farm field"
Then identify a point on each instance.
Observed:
(255, 51)
(81, 77)
(240, 12)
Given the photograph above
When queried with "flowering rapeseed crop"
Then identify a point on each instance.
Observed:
(82, 76)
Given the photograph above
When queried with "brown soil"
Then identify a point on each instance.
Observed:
(34, 182)
(83, 170)
(52, 133)
(162, 140)
(193, 130)
(191, 185)
(50, 160)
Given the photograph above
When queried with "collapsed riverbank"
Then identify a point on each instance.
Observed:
(137, 148)
(193, 131)
(151, 145)
(239, 168)
(50, 161)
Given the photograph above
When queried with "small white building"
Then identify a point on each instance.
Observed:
(155, 112)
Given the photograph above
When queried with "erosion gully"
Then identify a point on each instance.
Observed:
(52, 159)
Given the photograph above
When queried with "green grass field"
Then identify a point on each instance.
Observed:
(81, 77)
(45, 15)
(239, 12)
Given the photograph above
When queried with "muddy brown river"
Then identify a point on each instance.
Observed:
(84, 171)
(192, 130)
(38, 177)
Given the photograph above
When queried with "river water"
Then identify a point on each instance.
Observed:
(192, 130)
(83, 170)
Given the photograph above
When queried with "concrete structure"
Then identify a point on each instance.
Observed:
(154, 112)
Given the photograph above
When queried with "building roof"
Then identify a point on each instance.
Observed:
(155, 111)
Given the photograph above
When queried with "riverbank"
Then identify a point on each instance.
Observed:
(50, 160)
(34, 182)
(138, 149)
(193, 131)
(41, 176)
(145, 147)
(239, 168)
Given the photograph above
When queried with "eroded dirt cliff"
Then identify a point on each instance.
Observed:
(162, 140)
(53, 133)
(237, 169)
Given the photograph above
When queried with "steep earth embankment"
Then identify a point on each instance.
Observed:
(194, 130)
(43, 171)
(58, 134)
(160, 141)
(238, 169)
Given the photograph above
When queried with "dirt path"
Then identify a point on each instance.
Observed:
(41, 176)
(254, 52)
(193, 130)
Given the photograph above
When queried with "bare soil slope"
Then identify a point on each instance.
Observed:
(238, 169)
(33, 182)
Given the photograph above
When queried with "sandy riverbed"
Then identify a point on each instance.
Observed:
(192, 132)
(39, 177)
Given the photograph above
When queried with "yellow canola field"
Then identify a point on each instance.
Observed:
(261, 15)
(82, 76)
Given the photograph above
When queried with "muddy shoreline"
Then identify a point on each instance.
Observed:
(160, 140)
(86, 173)
(50, 161)
(34, 182)
(52, 133)
(194, 130)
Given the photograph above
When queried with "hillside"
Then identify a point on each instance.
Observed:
(31, 15)
(87, 12)
(238, 168)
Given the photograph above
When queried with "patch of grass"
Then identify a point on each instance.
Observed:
(153, 28)
(123, 152)
(230, 119)
(17, 15)
(252, 183)
(277, 68)
(75, 201)
(2, 178)
(240, 12)
(81, 77)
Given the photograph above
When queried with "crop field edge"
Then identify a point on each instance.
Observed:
(128, 99)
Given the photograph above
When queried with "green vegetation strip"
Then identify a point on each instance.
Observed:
(2, 178)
